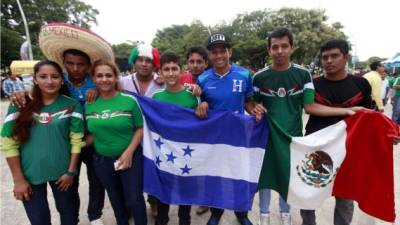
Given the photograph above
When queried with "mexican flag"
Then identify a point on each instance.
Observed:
(352, 159)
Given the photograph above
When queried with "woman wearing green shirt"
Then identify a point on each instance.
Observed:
(115, 122)
(42, 142)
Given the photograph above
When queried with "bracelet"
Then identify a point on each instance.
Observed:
(71, 173)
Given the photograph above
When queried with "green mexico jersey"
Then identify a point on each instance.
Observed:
(283, 94)
(395, 82)
(46, 154)
(182, 98)
(113, 123)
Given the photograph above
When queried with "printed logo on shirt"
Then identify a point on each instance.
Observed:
(106, 114)
(210, 88)
(281, 92)
(46, 118)
(237, 85)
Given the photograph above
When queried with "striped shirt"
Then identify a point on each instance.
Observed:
(10, 86)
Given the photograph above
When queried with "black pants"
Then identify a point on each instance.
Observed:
(215, 212)
(162, 214)
(96, 189)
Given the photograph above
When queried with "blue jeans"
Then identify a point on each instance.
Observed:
(396, 109)
(96, 189)
(124, 187)
(265, 200)
(37, 208)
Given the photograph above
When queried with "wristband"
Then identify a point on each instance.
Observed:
(71, 173)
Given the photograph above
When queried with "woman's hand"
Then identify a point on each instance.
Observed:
(64, 182)
(19, 98)
(22, 190)
(125, 160)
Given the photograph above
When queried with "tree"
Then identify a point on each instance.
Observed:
(310, 30)
(250, 30)
(40, 12)
(179, 38)
(171, 38)
(122, 52)
(10, 43)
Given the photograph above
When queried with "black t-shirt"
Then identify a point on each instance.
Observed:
(349, 92)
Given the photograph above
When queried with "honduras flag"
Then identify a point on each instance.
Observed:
(213, 162)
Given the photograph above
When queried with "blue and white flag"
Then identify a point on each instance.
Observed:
(212, 162)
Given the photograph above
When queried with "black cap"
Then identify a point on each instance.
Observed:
(218, 38)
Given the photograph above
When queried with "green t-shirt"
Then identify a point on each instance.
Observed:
(113, 123)
(284, 94)
(46, 154)
(395, 82)
(182, 98)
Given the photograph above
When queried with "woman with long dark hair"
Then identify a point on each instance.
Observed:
(115, 121)
(42, 142)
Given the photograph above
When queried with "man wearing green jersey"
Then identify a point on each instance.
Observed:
(174, 93)
(284, 89)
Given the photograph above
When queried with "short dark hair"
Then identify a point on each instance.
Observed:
(199, 50)
(340, 44)
(168, 57)
(280, 33)
(77, 52)
(375, 64)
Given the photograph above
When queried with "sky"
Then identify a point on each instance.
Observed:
(372, 26)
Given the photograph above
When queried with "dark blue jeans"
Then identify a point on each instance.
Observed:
(124, 187)
(96, 189)
(37, 208)
(183, 214)
(396, 109)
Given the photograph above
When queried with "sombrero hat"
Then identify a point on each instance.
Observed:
(55, 38)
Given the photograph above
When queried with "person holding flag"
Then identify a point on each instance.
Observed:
(174, 93)
(284, 89)
(225, 87)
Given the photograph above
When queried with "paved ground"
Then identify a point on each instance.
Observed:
(12, 212)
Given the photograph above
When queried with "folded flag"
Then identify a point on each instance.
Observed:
(352, 159)
(212, 162)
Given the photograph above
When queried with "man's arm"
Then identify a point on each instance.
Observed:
(376, 93)
(6, 88)
(323, 110)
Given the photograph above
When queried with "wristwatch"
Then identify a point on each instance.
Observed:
(71, 173)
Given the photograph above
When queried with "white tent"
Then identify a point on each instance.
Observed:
(393, 62)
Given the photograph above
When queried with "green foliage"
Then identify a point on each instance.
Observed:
(310, 30)
(123, 50)
(40, 12)
(179, 38)
(10, 45)
(249, 31)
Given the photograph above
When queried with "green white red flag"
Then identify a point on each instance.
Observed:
(352, 159)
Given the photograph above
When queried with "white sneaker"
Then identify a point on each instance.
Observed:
(264, 219)
(286, 219)
(97, 222)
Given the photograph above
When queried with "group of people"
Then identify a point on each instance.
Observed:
(83, 114)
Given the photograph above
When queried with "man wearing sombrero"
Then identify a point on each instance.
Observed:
(75, 49)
